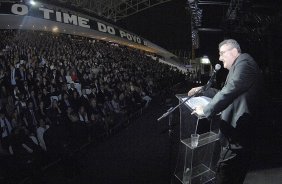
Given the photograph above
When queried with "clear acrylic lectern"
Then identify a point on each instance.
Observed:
(196, 165)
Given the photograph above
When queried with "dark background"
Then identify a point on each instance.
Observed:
(257, 27)
(167, 25)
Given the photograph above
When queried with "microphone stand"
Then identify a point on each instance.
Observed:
(170, 110)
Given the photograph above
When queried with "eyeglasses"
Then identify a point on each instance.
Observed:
(222, 52)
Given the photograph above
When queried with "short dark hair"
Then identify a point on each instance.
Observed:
(231, 42)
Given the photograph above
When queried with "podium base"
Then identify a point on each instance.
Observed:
(201, 175)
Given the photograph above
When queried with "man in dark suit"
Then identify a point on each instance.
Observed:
(13, 75)
(238, 101)
(30, 118)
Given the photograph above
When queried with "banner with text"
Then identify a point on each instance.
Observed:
(40, 11)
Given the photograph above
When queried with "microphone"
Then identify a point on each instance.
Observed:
(209, 83)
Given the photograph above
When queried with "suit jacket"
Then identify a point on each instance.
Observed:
(31, 123)
(17, 75)
(84, 101)
(241, 92)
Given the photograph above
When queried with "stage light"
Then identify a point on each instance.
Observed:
(55, 29)
(205, 60)
(32, 2)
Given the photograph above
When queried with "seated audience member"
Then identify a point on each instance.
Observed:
(85, 82)
(54, 76)
(92, 94)
(83, 116)
(74, 76)
(115, 105)
(93, 108)
(79, 130)
(21, 104)
(84, 100)
(65, 102)
(99, 127)
(54, 113)
(23, 147)
(74, 99)
(100, 96)
(10, 106)
(56, 140)
(16, 93)
(46, 97)
(34, 99)
(107, 106)
(64, 89)
(30, 118)
(146, 98)
(42, 110)
(40, 133)
(72, 89)
(45, 83)
(5, 130)
(13, 73)
(68, 78)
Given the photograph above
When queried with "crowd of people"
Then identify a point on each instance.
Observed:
(59, 91)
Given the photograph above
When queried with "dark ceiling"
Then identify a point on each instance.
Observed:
(257, 25)
(167, 25)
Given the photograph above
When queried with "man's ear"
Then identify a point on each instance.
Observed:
(234, 52)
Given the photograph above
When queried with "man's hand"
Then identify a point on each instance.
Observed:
(194, 90)
(199, 111)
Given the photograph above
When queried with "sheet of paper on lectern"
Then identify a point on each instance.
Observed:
(197, 101)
